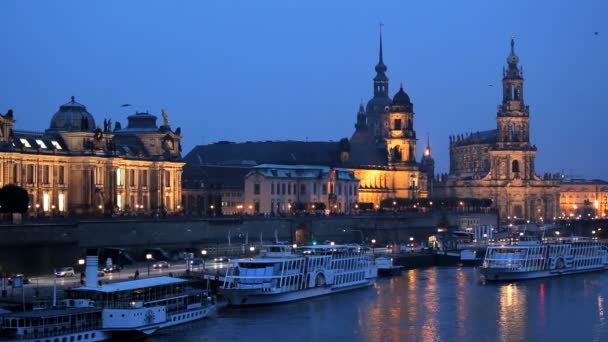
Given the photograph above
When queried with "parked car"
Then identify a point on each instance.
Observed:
(160, 264)
(101, 273)
(221, 259)
(112, 268)
(10, 278)
(65, 272)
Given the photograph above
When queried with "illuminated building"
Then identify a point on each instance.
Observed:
(499, 164)
(77, 167)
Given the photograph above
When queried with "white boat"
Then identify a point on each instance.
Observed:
(97, 312)
(282, 276)
(547, 259)
(386, 267)
(58, 324)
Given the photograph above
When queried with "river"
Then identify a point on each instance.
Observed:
(433, 304)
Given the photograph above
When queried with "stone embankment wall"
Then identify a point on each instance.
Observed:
(33, 247)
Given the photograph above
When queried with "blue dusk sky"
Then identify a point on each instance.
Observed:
(277, 70)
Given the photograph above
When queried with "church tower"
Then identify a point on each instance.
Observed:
(398, 130)
(376, 107)
(513, 156)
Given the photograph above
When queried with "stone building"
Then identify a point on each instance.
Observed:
(499, 164)
(583, 199)
(381, 153)
(278, 189)
(78, 167)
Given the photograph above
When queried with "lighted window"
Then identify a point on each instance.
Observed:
(41, 143)
(61, 200)
(25, 143)
(56, 145)
(119, 177)
(119, 201)
(45, 202)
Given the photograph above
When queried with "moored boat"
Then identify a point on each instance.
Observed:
(386, 267)
(544, 259)
(307, 272)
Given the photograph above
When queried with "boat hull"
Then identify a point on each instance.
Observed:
(390, 271)
(245, 297)
(189, 316)
(83, 336)
(498, 274)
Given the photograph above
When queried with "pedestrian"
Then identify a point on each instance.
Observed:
(136, 274)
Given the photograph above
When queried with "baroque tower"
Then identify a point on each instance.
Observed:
(512, 155)
(398, 130)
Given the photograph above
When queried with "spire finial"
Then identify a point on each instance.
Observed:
(72, 98)
(401, 85)
(512, 42)
(381, 59)
(381, 68)
(428, 139)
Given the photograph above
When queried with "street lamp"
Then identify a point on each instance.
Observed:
(373, 244)
(149, 258)
(252, 249)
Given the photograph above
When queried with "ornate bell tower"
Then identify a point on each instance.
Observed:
(513, 156)
(399, 131)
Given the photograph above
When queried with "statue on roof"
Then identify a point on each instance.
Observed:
(165, 117)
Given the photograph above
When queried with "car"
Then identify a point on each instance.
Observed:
(65, 272)
(101, 273)
(10, 278)
(221, 259)
(160, 264)
(112, 268)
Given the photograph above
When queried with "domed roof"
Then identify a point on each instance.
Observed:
(401, 98)
(72, 117)
(377, 105)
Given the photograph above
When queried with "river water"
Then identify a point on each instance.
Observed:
(434, 304)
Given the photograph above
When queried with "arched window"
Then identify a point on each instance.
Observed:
(515, 166)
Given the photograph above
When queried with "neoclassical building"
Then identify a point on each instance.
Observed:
(78, 167)
(583, 199)
(280, 189)
(499, 163)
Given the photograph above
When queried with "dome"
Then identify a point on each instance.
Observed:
(512, 59)
(376, 105)
(142, 122)
(401, 98)
(72, 117)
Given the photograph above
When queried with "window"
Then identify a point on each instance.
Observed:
(302, 189)
(515, 166)
(289, 188)
(119, 177)
(272, 189)
(132, 177)
(119, 201)
(314, 188)
(46, 202)
(167, 179)
(397, 124)
(61, 200)
(256, 188)
(25, 143)
(56, 145)
(144, 178)
(283, 188)
(60, 175)
(324, 189)
(45, 174)
(29, 174)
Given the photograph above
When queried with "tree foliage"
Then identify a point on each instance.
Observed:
(13, 199)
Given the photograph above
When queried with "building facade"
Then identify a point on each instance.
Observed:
(76, 167)
(583, 199)
(499, 164)
(280, 189)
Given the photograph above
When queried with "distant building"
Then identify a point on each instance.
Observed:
(583, 199)
(279, 189)
(499, 164)
(381, 153)
(78, 167)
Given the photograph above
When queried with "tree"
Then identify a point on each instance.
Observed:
(14, 199)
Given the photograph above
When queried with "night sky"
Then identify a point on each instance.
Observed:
(276, 70)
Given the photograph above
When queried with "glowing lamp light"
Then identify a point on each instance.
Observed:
(204, 252)
(251, 249)
(294, 245)
(80, 261)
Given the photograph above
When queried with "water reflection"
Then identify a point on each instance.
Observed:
(512, 313)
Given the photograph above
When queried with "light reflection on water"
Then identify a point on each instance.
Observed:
(434, 304)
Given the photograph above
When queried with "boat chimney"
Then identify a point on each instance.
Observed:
(91, 269)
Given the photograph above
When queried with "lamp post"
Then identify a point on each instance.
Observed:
(204, 253)
(149, 258)
(373, 246)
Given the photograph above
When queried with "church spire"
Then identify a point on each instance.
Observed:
(381, 81)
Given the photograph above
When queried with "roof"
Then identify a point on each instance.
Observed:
(268, 152)
(196, 177)
(300, 171)
(133, 284)
(483, 137)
